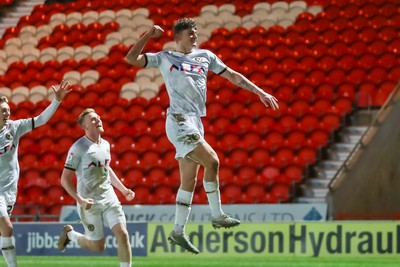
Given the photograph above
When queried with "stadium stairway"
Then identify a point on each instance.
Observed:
(316, 187)
(13, 13)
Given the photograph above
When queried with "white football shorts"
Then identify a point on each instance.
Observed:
(5, 207)
(184, 132)
(98, 216)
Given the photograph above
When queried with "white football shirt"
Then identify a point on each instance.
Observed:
(91, 161)
(9, 167)
(185, 77)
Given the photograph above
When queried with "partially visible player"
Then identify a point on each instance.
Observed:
(98, 206)
(10, 133)
(185, 75)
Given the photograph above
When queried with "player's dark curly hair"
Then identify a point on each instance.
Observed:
(184, 24)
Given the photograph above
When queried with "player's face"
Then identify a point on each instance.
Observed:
(188, 38)
(93, 123)
(4, 112)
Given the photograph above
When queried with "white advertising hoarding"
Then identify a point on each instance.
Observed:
(201, 213)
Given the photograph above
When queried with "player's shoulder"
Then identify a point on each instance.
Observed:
(202, 50)
(203, 53)
(105, 142)
(13, 125)
(80, 143)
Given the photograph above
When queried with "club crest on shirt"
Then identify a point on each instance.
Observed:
(90, 227)
(200, 59)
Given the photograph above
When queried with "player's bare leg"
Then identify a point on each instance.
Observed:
(69, 234)
(124, 247)
(7, 245)
(207, 157)
(188, 172)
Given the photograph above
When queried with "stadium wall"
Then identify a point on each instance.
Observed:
(371, 187)
(347, 239)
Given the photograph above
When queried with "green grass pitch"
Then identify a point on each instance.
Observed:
(188, 260)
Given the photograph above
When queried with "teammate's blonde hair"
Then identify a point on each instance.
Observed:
(83, 114)
(3, 99)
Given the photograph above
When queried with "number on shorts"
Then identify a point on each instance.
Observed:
(9, 209)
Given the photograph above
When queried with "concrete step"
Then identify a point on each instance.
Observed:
(315, 191)
(6, 25)
(352, 134)
(23, 9)
(330, 164)
(30, 4)
(355, 129)
(326, 174)
(12, 21)
(318, 182)
(341, 146)
(338, 155)
(364, 117)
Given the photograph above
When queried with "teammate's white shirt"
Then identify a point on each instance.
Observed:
(185, 77)
(9, 167)
(91, 161)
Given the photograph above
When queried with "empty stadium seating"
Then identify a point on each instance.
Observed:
(321, 59)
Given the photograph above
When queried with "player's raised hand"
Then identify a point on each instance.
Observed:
(62, 90)
(269, 100)
(155, 31)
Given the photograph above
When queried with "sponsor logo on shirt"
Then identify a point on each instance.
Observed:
(187, 68)
(7, 148)
(99, 163)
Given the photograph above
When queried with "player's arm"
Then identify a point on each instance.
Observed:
(66, 181)
(60, 93)
(116, 182)
(241, 81)
(135, 56)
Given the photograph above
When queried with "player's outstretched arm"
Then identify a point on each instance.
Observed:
(66, 181)
(60, 93)
(116, 182)
(241, 81)
(135, 56)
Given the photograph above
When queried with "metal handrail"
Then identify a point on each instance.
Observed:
(368, 133)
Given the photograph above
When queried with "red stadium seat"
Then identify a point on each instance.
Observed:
(387, 34)
(231, 194)
(288, 122)
(307, 156)
(377, 75)
(330, 122)
(255, 192)
(164, 195)
(340, 24)
(295, 139)
(338, 49)
(309, 123)
(388, 60)
(273, 140)
(394, 74)
(142, 195)
(318, 138)
(294, 173)
(324, 91)
(281, 192)
(357, 75)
